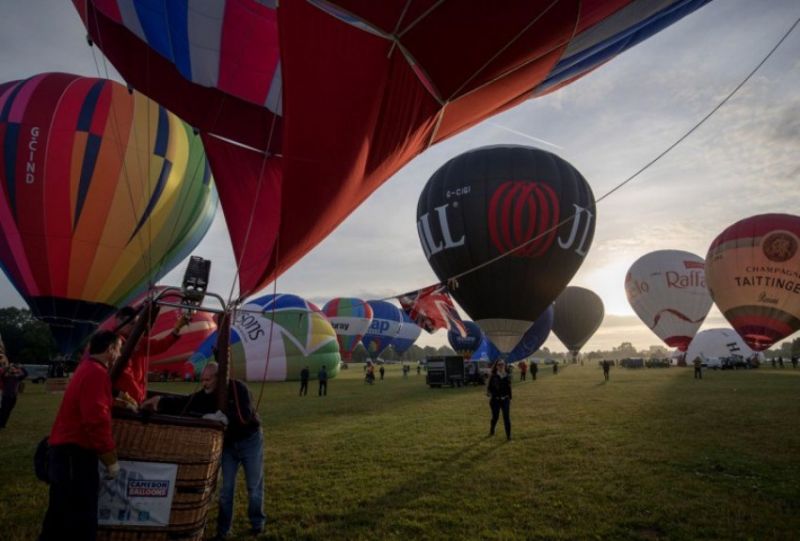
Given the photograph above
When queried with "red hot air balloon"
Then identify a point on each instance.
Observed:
(488, 202)
(753, 275)
(271, 84)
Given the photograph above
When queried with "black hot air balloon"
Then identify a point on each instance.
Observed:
(578, 314)
(520, 201)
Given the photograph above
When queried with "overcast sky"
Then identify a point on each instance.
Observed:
(745, 160)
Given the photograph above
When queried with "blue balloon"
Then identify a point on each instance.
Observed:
(409, 333)
(387, 319)
(534, 337)
(486, 351)
(466, 345)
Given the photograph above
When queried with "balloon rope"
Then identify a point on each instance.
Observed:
(453, 280)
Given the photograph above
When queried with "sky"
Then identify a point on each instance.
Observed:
(745, 160)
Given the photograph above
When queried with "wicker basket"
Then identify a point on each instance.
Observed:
(195, 445)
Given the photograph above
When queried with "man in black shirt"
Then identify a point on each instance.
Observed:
(322, 376)
(304, 381)
(243, 444)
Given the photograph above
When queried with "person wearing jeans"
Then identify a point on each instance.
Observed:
(243, 444)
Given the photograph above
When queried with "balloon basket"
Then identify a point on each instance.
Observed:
(195, 446)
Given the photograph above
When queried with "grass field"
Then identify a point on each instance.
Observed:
(652, 454)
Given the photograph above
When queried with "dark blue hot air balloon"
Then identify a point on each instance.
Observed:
(534, 337)
(386, 322)
(409, 333)
(486, 351)
(466, 345)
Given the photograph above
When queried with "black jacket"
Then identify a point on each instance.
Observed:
(243, 420)
(499, 386)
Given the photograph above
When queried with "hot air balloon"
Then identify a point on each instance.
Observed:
(273, 338)
(486, 351)
(717, 344)
(466, 345)
(386, 322)
(270, 84)
(103, 192)
(534, 337)
(409, 332)
(173, 360)
(525, 204)
(578, 314)
(350, 319)
(753, 275)
(667, 290)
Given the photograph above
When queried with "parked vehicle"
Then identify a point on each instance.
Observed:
(37, 373)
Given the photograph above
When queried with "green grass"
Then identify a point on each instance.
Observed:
(653, 454)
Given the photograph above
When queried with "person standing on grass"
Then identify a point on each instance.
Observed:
(523, 370)
(499, 392)
(322, 376)
(382, 371)
(304, 381)
(534, 369)
(243, 444)
(79, 440)
(555, 368)
(794, 362)
(606, 369)
(698, 368)
(11, 376)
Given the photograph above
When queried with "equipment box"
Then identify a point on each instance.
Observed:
(447, 370)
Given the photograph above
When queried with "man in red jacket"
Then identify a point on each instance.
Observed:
(133, 379)
(80, 436)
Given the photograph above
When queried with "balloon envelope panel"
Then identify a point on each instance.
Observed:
(524, 203)
(753, 274)
(387, 319)
(667, 290)
(104, 191)
(274, 337)
(578, 313)
(409, 332)
(534, 337)
(350, 319)
(248, 74)
(716, 343)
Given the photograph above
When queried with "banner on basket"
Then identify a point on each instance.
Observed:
(141, 495)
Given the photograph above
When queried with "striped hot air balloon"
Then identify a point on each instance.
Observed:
(350, 319)
(102, 192)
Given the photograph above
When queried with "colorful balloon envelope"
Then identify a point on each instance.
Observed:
(534, 337)
(578, 313)
(270, 85)
(486, 351)
(466, 345)
(103, 193)
(192, 336)
(525, 204)
(717, 343)
(273, 338)
(350, 319)
(387, 319)
(409, 332)
(667, 290)
(753, 275)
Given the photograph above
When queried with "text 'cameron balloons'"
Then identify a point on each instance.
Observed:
(534, 337)
(273, 338)
(103, 192)
(716, 343)
(667, 290)
(578, 313)
(173, 360)
(753, 275)
(258, 80)
(386, 322)
(492, 201)
(350, 318)
(409, 332)
(466, 345)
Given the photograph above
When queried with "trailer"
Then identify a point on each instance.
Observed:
(446, 370)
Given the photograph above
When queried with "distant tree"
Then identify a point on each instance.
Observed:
(27, 340)
(656, 352)
(625, 349)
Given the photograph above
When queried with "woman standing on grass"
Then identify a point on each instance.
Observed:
(499, 392)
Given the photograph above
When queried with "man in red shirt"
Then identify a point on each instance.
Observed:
(133, 379)
(80, 436)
